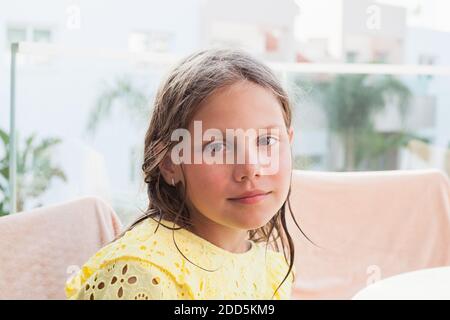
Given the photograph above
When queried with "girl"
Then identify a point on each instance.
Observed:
(212, 230)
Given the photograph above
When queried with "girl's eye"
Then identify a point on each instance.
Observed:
(267, 140)
(214, 147)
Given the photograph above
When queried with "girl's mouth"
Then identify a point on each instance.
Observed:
(251, 199)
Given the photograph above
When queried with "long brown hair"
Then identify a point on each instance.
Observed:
(190, 82)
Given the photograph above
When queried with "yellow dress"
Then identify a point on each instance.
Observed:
(147, 265)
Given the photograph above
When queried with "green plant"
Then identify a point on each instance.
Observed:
(121, 93)
(350, 103)
(35, 170)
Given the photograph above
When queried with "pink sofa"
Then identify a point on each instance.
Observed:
(367, 226)
(42, 248)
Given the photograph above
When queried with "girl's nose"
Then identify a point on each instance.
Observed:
(250, 169)
(246, 171)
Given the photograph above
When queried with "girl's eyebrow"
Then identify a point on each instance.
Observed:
(273, 126)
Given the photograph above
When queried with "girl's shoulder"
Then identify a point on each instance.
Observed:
(148, 241)
(145, 244)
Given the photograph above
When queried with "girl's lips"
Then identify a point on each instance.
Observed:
(251, 199)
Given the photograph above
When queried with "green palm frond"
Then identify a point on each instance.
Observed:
(121, 93)
(35, 169)
(350, 103)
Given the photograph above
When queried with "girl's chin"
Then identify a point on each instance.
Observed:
(254, 222)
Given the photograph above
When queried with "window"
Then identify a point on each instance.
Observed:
(31, 34)
(42, 35)
(15, 34)
(425, 59)
(272, 39)
(381, 57)
(152, 41)
(18, 34)
(351, 56)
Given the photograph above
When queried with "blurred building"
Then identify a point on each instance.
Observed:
(372, 32)
(358, 31)
(363, 31)
(263, 27)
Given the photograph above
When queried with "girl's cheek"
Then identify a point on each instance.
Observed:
(206, 178)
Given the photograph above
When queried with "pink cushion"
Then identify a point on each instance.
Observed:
(41, 248)
(369, 225)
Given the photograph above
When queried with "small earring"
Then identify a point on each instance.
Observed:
(173, 182)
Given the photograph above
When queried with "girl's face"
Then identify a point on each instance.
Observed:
(216, 191)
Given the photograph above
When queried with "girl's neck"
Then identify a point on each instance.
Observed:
(229, 239)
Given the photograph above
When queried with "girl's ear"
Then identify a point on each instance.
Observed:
(168, 170)
(291, 134)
